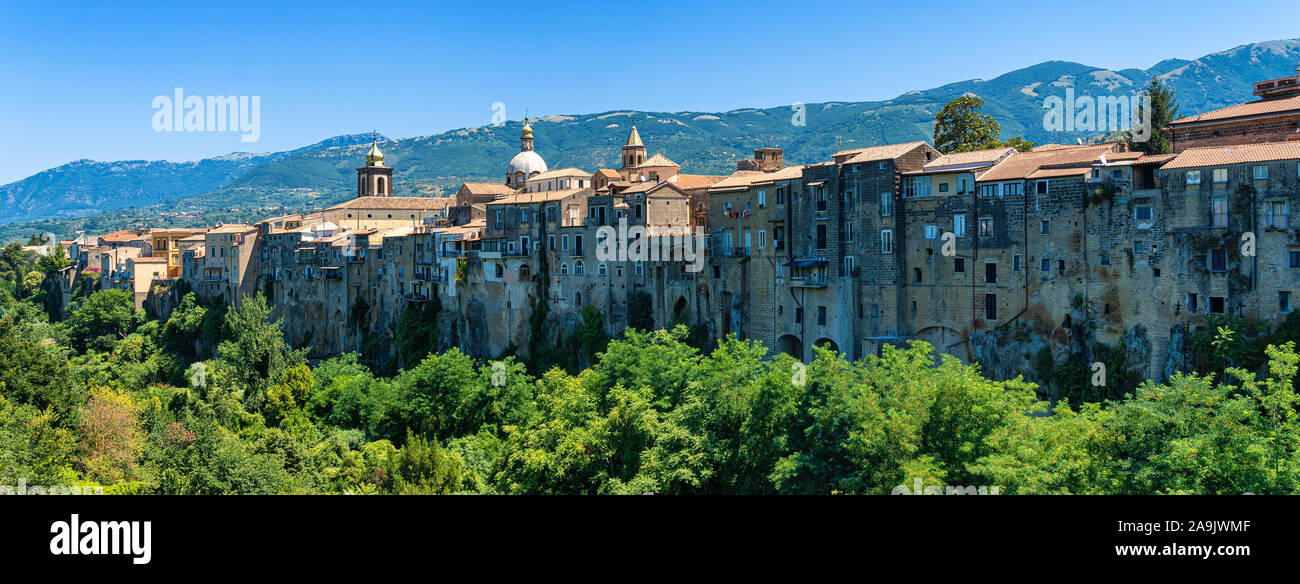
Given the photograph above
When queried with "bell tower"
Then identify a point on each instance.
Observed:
(374, 179)
(634, 150)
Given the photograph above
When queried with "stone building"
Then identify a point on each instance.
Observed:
(1274, 117)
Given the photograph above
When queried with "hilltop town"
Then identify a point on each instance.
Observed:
(1000, 257)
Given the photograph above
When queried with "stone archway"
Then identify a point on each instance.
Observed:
(828, 344)
(790, 345)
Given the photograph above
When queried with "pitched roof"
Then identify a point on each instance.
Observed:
(965, 161)
(150, 260)
(658, 160)
(1255, 108)
(1221, 155)
(537, 197)
(233, 228)
(1021, 165)
(123, 236)
(743, 179)
(634, 137)
(649, 186)
(687, 182)
(396, 203)
(609, 173)
(874, 153)
(482, 188)
(559, 172)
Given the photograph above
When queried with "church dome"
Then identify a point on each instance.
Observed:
(527, 162)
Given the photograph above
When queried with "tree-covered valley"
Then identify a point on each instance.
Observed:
(212, 400)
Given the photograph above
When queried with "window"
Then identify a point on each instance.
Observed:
(798, 315)
(821, 198)
(1219, 207)
(762, 239)
(577, 245)
(918, 186)
(1011, 189)
(943, 187)
(602, 270)
(886, 241)
(1040, 187)
(1218, 305)
(780, 196)
(848, 201)
(1218, 260)
(564, 269)
(523, 244)
(578, 267)
(1193, 177)
(886, 204)
(1293, 259)
(990, 306)
(523, 215)
(1139, 248)
(1275, 214)
(1284, 302)
(849, 266)
(636, 268)
(821, 315)
(1191, 303)
(986, 227)
(821, 236)
(564, 242)
(988, 190)
(931, 231)
(916, 275)
(963, 185)
(990, 273)
(1142, 213)
(959, 265)
(1105, 259)
(1045, 227)
(762, 199)
(1260, 172)
(959, 225)
(1015, 262)
(497, 220)
(848, 232)
(1047, 265)
(1220, 175)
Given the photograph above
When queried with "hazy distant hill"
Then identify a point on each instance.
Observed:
(86, 187)
(702, 142)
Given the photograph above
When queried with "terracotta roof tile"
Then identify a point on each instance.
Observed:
(1254, 108)
(1222, 155)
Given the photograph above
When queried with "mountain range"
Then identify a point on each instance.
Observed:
(701, 142)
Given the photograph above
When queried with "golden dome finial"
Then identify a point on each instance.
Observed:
(528, 129)
(375, 157)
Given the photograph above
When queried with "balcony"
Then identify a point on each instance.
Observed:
(727, 251)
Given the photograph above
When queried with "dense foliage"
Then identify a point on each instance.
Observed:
(213, 400)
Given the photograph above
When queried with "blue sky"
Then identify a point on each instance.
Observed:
(77, 80)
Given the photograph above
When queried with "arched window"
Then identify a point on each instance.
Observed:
(577, 267)
(564, 269)
(524, 273)
(602, 270)
(381, 186)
